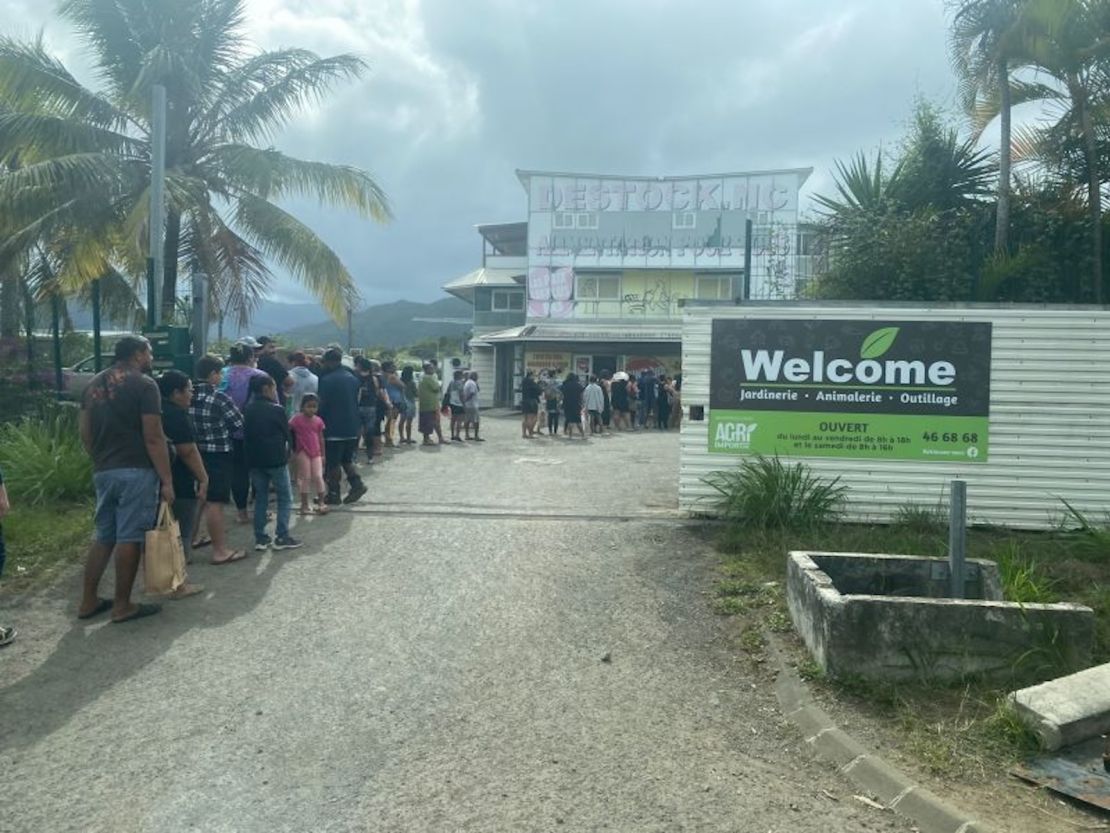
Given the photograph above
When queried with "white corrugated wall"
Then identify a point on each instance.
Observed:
(482, 360)
(1049, 418)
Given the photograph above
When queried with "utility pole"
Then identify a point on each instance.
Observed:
(156, 265)
(200, 313)
(350, 328)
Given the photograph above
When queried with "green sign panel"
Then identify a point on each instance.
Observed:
(900, 390)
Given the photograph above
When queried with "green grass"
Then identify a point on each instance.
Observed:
(43, 460)
(42, 541)
(768, 494)
(949, 730)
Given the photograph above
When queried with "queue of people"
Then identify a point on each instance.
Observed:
(606, 402)
(236, 432)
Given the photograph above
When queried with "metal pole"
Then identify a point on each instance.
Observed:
(29, 312)
(350, 330)
(200, 313)
(748, 259)
(157, 199)
(56, 315)
(96, 325)
(957, 538)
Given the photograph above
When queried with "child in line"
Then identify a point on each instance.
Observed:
(308, 454)
(551, 403)
(266, 442)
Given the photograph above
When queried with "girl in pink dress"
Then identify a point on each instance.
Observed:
(308, 458)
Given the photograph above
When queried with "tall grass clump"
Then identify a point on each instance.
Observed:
(1094, 541)
(1024, 579)
(43, 459)
(766, 494)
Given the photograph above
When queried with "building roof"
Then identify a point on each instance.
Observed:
(583, 332)
(506, 238)
(525, 176)
(464, 287)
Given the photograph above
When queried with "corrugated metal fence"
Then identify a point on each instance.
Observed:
(1049, 417)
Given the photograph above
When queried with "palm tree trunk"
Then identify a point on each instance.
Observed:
(169, 276)
(1094, 196)
(1002, 216)
(9, 305)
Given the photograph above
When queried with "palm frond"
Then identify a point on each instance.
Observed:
(281, 98)
(271, 174)
(33, 81)
(109, 27)
(298, 248)
(34, 137)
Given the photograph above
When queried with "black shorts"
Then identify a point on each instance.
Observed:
(218, 465)
(339, 453)
(531, 406)
(457, 410)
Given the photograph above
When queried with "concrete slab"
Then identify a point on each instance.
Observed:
(1069, 709)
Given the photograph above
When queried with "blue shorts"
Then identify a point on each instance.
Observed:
(126, 505)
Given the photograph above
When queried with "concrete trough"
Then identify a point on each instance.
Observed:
(884, 617)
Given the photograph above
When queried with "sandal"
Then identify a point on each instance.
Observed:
(140, 612)
(236, 555)
(323, 510)
(102, 606)
(185, 591)
(203, 542)
(7, 635)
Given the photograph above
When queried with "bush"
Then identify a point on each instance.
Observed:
(763, 493)
(43, 459)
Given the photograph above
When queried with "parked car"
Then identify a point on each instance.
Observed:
(75, 379)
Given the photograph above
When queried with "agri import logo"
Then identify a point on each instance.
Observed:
(772, 366)
(735, 435)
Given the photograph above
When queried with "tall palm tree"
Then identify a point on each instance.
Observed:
(985, 46)
(1069, 41)
(85, 155)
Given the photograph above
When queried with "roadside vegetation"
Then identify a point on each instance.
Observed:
(960, 729)
(49, 480)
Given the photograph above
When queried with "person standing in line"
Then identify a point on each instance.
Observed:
(619, 396)
(396, 395)
(304, 380)
(676, 401)
(529, 405)
(7, 632)
(339, 390)
(604, 380)
(551, 405)
(454, 397)
(267, 448)
(634, 403)
(408, 385)
(236, 383)
(594, 401)
(268, 362)
(121, 429)
(368, 403)
(572, 406)
(471, 406)
(663, 405)
(308, 454)
(215, 420)
(427, 397)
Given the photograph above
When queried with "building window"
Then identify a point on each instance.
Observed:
(564, 220)
(507, 301)
(714, 288)
(571, 219)
(585, 219)
(684, 220)
(598, 288)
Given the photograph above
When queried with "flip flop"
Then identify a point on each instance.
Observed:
(203, 542)
(102, 606)
(185, 591)
(141, 612)
(236, 555)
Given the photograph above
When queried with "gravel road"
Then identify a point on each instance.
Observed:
(509, 637)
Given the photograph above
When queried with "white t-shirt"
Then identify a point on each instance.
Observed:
(470, 394)
(594, 398)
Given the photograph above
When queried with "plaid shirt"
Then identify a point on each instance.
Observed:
(215, 417)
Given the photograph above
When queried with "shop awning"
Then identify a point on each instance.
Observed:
(586, 333)
(464, 287)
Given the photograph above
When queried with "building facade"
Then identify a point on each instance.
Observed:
(595, 278)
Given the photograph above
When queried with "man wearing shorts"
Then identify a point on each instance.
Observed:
(121, 429)
(471, 409)
(427, 397)
(215, 421)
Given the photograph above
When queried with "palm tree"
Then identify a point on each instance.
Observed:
(1069, 41)
(985, 47)
(85, 155)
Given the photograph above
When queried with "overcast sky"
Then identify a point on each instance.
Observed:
(461, 94)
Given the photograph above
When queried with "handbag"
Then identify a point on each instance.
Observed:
(164, 554)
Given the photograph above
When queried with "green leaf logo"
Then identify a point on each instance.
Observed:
(878, 343)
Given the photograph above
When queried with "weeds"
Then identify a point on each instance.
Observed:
(920, 519)
(766, 494)
(43, 460)
(1023, 577)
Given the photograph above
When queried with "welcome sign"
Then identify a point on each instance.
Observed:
(901, 390)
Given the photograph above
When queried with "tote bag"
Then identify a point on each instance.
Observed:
(164, 555)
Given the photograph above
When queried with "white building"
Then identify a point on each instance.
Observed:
(595, 277)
